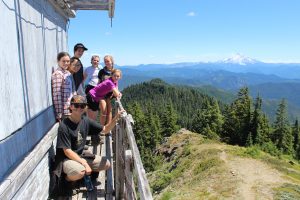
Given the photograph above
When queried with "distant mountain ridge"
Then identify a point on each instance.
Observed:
(237, 64)
(196, 76)
(272, 81)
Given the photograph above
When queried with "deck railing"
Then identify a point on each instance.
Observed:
(129, 169)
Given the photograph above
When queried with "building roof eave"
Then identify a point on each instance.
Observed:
(108, 5)
(63, 8)
(68, 8)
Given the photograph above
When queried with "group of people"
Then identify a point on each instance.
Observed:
(78, 94)
(98, 85)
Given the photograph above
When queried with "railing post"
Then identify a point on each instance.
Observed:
(130, 188)
(110, 172)
(126, 160)
(144, 189)
(120, 161)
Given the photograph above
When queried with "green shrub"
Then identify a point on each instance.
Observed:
(270, 148)
(166, 196)
(162, 182)
(253, 152)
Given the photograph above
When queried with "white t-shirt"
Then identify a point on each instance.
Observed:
(92, 75)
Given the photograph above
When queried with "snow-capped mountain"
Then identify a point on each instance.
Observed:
(240, 59)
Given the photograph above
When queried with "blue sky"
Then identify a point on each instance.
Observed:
(171, 31)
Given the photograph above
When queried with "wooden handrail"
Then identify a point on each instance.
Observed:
(129, 166)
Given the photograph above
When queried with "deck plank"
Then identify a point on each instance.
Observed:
(99, 192)
(102, 174)
(110, 171)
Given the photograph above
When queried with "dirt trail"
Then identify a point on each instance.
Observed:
(255, 179)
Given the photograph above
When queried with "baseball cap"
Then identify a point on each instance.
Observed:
(79, 45)
(78, 99)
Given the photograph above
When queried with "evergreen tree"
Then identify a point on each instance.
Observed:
(263, 130)
(259, 124)
(256, 117)
(296, 132)
(208, 120)
(216, 117)
(169, 121)
(229, 133)
(147, 132)
(298, 153)
(282, 135)
(198, 121)
(152, 121)
(139, 123)
(237, 119)
(249, 141)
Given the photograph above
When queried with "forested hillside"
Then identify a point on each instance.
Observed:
(156, 95)
(160, 109)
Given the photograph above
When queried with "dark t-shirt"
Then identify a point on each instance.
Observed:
(78, 76)
(104, 74)
(73, 136)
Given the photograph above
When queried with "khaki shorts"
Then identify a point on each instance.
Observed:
(72, 168)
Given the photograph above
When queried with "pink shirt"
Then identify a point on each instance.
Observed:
(102, 89)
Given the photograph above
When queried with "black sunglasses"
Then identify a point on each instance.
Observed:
(79, 105)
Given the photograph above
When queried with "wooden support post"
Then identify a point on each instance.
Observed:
(144, 189)
(120, 162)
(130, 189)
(109, 172)
(124, 164)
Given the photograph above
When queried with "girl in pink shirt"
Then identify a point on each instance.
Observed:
(97, 96)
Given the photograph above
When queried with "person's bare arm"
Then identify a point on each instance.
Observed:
(117, 93)
(107, 128)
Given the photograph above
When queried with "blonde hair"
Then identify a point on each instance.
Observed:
(111, 59)
(115, 71)
(94, 56)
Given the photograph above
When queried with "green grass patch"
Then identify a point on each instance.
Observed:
(206, 165)
(249, 152)
(162, 182)
(208, 153)
(170, 173)
(186, 150)
(288, 192)
(166, 196)
(252, 152)
(291, 170)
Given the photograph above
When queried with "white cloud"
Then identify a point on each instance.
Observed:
(108, 33)
(191, 14)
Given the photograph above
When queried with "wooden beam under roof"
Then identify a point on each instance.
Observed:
(89, 4)
(108, 5)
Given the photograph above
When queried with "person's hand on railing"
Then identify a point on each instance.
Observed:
(120, 113)
(119, 95)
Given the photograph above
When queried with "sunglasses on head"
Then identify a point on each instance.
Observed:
(79, 105)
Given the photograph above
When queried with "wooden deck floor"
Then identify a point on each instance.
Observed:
(104, 183)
